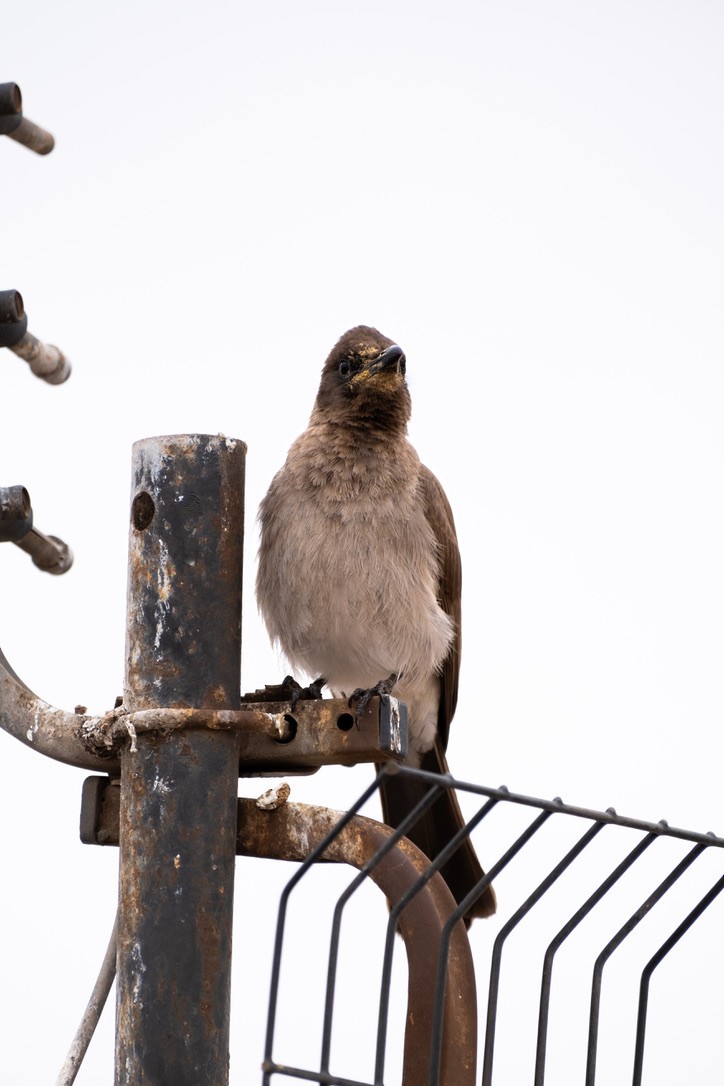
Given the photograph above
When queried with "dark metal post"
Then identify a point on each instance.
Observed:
(178, 791)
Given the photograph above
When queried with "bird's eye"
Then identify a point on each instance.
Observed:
(344, 368)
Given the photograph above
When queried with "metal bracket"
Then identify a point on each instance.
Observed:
(317, 733)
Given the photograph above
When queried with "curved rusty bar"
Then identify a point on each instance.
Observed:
(292, 831)
(271, 739)
(53, 732)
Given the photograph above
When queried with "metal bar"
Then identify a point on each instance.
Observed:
(272, 741)
(495, 963)
(661, 828)
(48, 552)
(654, 962)
(33, 137)
(271, 1068)
(614, 943)
(178, 791)
(92, 1014)
(52, 732)
(289, 833)
(45, 359)
(562, 935)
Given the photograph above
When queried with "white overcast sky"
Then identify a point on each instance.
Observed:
(528, 198)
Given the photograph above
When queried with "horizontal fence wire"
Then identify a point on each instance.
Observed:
(519, 850)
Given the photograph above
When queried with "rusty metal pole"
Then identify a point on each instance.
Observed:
(178, 791)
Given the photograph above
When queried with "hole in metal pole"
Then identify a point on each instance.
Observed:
(290, 725)
(345, 722)
(142, 511)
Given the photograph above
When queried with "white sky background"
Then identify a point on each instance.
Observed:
(527, 197)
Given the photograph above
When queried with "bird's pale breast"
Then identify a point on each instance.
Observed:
(348, 569)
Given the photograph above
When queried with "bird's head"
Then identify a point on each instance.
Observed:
(364, 379)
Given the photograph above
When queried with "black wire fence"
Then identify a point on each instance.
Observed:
(566, 877)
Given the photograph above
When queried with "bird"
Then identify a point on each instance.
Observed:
(359, 577)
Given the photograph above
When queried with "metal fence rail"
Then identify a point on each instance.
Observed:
(519, 849)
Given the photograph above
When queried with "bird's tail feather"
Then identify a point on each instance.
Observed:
(434, 829)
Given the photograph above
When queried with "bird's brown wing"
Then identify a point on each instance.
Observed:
(434, 830)
(440, 517)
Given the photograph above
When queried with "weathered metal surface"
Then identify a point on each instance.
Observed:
(16, 513)
(45, 360)
(13, 124)
(177, 830)
(324, 732)
(13, 318)
(48, 552)
(273, 740)
(183, 639)
(53, 732)
(292, 831)
(178, 788)
(33, 137)
(11, 107)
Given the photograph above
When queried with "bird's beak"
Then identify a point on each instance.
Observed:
(391, 359)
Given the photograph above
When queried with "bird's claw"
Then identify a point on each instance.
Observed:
(297, 692)
(360, 698)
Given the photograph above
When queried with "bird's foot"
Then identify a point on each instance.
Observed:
(296, 692)
(361, 698)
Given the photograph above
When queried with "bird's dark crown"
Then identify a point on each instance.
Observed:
(363, 380)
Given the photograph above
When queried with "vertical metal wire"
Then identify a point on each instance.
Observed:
(428, 799)
(515, 848)
(633, 921)
(562, 935)
(496, 957)
(314, 855)
(653, 964)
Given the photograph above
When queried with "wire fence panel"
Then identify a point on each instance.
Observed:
(600, 966)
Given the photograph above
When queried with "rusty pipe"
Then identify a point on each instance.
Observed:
(178, 791)
(53, 732)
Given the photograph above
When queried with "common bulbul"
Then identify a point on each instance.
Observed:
(359, 577)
